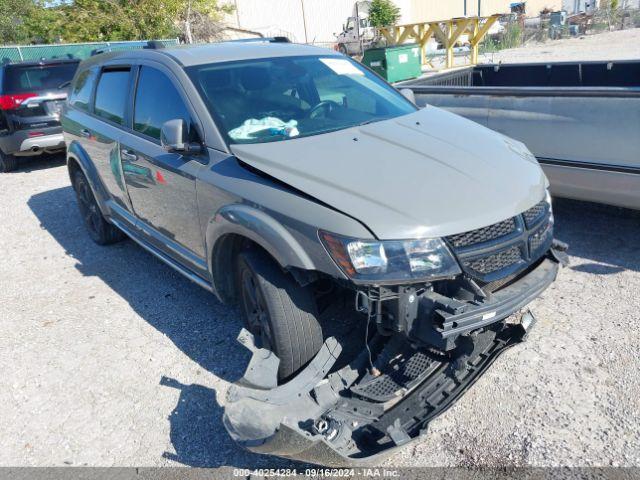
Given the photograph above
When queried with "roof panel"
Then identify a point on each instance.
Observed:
(190, 55)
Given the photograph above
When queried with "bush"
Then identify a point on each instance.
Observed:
(383, 13)
(510, 38)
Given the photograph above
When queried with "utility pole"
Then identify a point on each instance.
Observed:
(304, 22)
(361, 47)
(237, 13)
(465, 8)
(187, 25)
(479, 6)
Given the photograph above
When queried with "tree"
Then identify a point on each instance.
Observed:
(113, 20)
(611, 12)
(383, 13)
(202, 20)
(12, 13)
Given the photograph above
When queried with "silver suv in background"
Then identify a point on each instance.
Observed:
(32, 95)
(294, 181)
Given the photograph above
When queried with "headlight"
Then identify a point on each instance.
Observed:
(391, 260)
(549, 202)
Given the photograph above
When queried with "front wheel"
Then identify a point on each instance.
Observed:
(280, 314)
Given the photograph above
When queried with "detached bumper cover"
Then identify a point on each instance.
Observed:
(284, 421)
(358, 415)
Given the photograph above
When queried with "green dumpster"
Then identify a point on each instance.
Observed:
(400, 62)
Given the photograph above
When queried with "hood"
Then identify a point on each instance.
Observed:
(426, 174)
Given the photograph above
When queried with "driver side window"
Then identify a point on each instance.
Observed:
(157, 101)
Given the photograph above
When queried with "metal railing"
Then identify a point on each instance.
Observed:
(455, 78)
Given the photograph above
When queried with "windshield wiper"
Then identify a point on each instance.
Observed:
(372, 120)
(271, 138)
(64, 84)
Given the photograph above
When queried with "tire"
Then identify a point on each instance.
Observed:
(342, 49)
(100, 231)
(280, 314)
(8, 163)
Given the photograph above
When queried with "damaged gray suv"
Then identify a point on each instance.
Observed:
(297, 183)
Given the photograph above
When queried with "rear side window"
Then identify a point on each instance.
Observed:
(80, 95)
(111, 95)
(33, 78)
(157, 101)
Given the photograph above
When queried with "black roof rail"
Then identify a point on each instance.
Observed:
(154, 45)
(261, 39)
(149, 45)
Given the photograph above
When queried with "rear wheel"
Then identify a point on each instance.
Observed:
(280, 314)
(100, 231)
(8, 163)
(342, 49)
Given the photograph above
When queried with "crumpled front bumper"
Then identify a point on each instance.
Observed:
(349, 416)
(282, 421)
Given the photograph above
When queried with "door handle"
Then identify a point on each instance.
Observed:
(128, 156)
(85, 133)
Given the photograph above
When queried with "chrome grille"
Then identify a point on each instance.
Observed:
(497, 261)
(535, 213)
(500, 250)
(485, 234)
(539, 237)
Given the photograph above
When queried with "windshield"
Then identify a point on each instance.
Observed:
(21, 79)
(290, 97)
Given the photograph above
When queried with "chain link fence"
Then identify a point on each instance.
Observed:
(69, 50)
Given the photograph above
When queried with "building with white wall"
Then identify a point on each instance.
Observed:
(315, 21)
(575, 6)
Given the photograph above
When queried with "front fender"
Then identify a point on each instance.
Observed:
(77, 154)
(262, 229)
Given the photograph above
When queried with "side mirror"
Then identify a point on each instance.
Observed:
(174, 137)
(408, 94)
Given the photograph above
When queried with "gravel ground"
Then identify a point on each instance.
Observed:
(109, 358)
(618, 45)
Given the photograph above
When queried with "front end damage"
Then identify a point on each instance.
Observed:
(427, 345)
